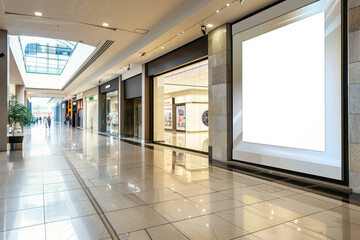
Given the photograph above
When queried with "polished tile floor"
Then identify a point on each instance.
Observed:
(73, 184)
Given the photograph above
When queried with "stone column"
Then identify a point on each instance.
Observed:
(120, 95)
(145, 103)
(220, 93)
(122, 109)
(354, 93)
(20, 93)
(4, 88)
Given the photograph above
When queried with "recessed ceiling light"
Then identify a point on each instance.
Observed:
(209, 25)
(228, 4)
(39, 14)
(162, 47)
(105, 24)
(217, 11)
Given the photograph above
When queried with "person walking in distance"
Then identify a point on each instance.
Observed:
(46, 122)
(49, 121)
(67, 120)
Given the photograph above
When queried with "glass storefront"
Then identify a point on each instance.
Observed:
(181, 107)
(112, 111)
(79, 113)
(91, 112)
(133, 118)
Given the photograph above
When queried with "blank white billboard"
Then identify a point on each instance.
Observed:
(283, 92)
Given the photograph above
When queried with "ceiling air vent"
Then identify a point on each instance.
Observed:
(101, 50)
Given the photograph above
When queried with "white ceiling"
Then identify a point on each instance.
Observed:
(81, 20)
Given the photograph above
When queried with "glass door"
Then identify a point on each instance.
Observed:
(137, 118)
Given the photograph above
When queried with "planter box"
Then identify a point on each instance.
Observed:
(16, 142)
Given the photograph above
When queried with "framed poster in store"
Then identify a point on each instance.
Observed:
(180, 117)
(168, 137)
(168, 115)
(181, 140)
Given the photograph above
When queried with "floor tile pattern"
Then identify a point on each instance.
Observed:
(151, 193)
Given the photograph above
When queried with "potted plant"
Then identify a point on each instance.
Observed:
(17, 114)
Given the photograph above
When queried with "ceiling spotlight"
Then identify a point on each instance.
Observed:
(142, 54)
(105, 24)
(128, 67)
(209, 25)
(162, 47)
(217, 11)
(203, 30)
(39, 14)
(228, 4)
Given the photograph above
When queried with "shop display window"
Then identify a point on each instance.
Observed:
(112, 111)
(180, 101)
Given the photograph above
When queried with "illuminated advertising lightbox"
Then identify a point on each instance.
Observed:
(287, 89)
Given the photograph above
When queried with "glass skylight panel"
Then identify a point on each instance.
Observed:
(45, 55)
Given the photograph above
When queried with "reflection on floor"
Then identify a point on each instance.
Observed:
(191, 140)
(157, 193)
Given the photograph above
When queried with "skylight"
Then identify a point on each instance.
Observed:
(48, 63)
(45, 55)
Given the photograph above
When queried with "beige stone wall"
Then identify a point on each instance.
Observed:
(145, 100)
(220, 92)
(354, 93)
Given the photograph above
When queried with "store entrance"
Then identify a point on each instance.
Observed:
(133, 118)
(109, 112)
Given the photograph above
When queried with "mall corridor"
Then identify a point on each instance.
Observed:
(73, 184)
(180, 119)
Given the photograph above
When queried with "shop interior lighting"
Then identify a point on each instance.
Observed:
(209, 25)
(38, 14)
(105, 24)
